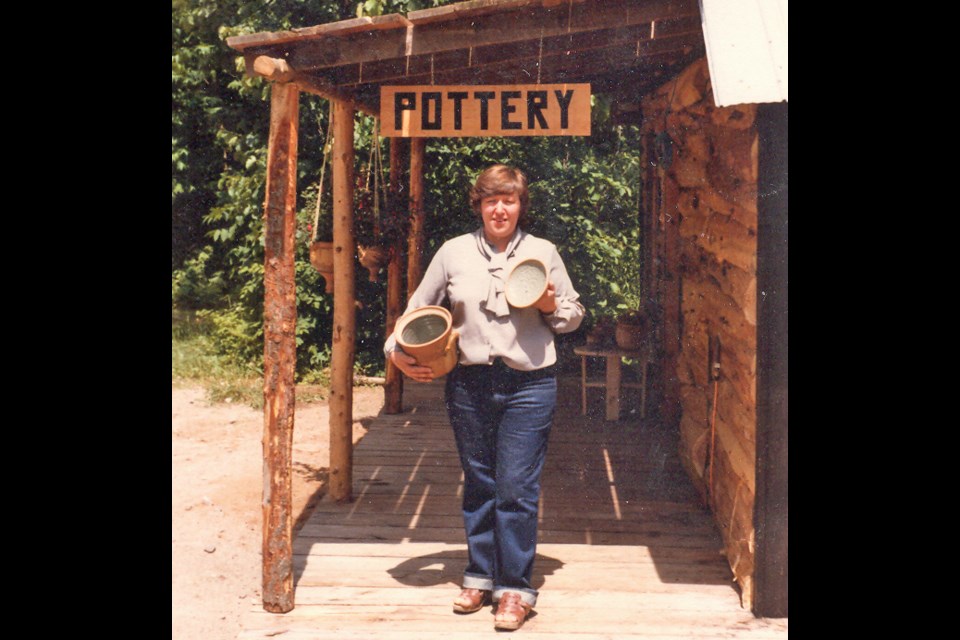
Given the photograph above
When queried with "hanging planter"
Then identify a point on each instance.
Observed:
(321, 251)
(321, 257)
(373, 258)
(373, 229)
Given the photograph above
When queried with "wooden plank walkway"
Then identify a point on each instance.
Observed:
(626, 550)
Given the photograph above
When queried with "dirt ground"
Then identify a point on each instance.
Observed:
(217, 477)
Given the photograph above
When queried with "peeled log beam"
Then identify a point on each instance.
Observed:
(701, 221)
(739, 383)
(273, 69)
(344, 305)
(279, 70)
(695, 427)
(740, 556)
(742, 462)
(705, 317)
(417, 235)
(731, 484)
(393, 388)
(733, 502)
(694, 430)
(732, 169)
(279, 349)
(306, 34)
(695, 355)
(733, 281)
(671, 300)
(732, 452)
(695, 409)
(688, 168)
(685, 373)
(692, 450)
(709, 311)
(707, 301)
(736, 418)
(726, 240)
(743, 211)
(737, 358)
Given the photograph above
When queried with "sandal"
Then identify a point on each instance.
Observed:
(511, 611)
(470, 600)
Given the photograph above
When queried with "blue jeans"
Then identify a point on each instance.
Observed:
(501, 420)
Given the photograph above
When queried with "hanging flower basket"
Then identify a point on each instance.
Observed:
(321, 251)
(375, 223)
(321, 257)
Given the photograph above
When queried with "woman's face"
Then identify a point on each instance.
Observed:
(500, 214)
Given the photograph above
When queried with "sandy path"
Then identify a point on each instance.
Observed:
(217, 477)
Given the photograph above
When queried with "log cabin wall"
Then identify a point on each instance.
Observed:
(707, 181)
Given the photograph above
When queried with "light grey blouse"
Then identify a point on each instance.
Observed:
(469, 274)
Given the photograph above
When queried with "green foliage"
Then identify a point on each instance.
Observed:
(197, 360)
(584, 191)
(381, 7)
(220, 118)
(194, 286)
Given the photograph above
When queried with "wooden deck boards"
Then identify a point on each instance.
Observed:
(626, 550)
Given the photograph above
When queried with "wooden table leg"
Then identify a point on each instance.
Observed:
(613, 387)
(583, 385)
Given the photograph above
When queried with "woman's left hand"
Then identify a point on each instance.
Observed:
(548, 301)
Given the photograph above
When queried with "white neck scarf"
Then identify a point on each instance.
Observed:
(496, 302)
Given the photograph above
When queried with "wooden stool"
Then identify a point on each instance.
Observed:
(612, 383)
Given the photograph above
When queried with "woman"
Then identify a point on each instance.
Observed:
(501, 396)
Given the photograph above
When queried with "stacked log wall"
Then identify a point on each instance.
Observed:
(710, 173)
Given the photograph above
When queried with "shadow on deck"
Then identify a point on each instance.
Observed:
(625, 550)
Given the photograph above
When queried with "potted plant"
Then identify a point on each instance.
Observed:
(630, 329)
(381, 220)
(603, 331)
(366, 228)
(321, 236)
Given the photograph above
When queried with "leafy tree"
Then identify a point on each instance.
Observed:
(583, 190)
(220, 130)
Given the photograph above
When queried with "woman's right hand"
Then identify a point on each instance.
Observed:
(408, 365)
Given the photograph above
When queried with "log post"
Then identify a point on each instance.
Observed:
(393, 387)
(417, 236)
(344, 307)
(279, 348)
(771, 506)
(671, 296)
(649, 216)
(650, 284)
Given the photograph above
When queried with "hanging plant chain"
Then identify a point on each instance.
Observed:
(327, 146)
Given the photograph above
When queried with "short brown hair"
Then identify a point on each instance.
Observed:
(498, 179)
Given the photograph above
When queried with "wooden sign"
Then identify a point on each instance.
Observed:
(428, 111)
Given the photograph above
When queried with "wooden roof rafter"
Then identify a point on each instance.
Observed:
(340, 28)
(622, 50)
(463, 33)
(485, 42)
(635, 39)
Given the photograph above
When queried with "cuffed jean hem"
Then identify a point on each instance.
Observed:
(528, 597)
(471, 581)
